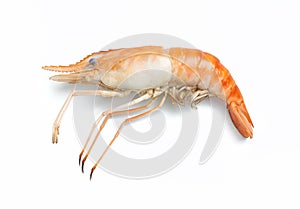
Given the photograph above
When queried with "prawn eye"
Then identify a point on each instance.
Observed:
(92, 61)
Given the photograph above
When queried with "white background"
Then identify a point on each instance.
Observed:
(259, 43)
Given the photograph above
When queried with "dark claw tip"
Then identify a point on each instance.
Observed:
(91, 174)
(82, 167)
(80, 156)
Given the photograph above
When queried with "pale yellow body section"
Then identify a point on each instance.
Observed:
(154, 66)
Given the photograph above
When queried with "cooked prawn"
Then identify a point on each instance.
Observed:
(184, 74)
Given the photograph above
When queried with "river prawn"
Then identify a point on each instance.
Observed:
(153, 72)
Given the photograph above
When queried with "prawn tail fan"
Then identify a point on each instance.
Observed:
(241, 119)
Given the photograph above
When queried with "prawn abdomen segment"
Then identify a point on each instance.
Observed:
(139, 72)
(185, 65)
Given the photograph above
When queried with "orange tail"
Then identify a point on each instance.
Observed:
(239, 114)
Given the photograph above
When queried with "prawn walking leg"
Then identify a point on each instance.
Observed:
(107, 114)
(123, 124)
(62, 111)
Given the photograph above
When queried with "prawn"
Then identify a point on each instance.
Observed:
(153, 72)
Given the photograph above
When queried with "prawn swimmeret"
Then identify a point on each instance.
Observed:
(153, 72)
